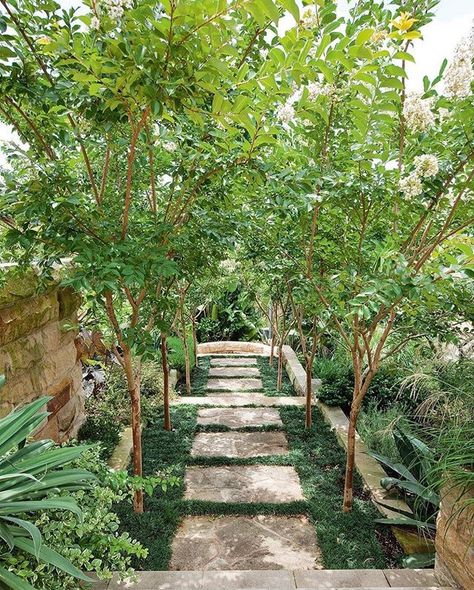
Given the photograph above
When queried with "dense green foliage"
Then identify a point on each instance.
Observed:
(176, 352)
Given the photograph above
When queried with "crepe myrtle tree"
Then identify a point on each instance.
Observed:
(99, 101)
(394, 175)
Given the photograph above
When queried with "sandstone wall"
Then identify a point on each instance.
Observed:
(455, 538)
(38, 355)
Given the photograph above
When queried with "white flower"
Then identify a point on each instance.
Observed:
(426, 165)
(411, 186)
(285, 112)
(417, 112)
(95, 23)
(309, 20)
(460, 74)
(170, 146)
(316, 198)
(116, 8)
(316, 89)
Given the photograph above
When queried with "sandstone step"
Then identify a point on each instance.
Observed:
(244, 384)
(239, 417)
(243, 483)
(244, 399)
(234, 372)
(233, 361)
(280, 579)
(239, 444)
(245, 543)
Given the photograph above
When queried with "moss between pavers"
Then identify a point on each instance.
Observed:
(346, 540)
(268, 375)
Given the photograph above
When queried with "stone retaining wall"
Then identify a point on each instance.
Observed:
(38, 355)
(454, 538)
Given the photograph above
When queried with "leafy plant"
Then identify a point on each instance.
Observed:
(176, 352)
(102, 428)
(411, 478)
(90, 541)
(30, 473)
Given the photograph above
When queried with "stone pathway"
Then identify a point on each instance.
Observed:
(262, 542)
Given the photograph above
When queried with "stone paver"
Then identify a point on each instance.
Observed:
(234, 372)
(408, 577)
(244, 399)
(239, 417)
(239, 444)
(245, 543)
(222, 384)
(243, 483)
(340, 579)
(233, 362)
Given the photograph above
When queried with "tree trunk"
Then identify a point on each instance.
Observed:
(309, 393)
(272, 349)
(187, 360)
(195, 342)
(280, 368)
(350, 460)
(133, 383)
(166, 383)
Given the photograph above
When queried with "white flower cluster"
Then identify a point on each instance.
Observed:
(426, 166)
(411, 186)
(285, 112)
(95, 23)
(316, 89)
(315, 197)
(170, 146)
(460, 73)
(309, 19)
(417, 112)
(116, 8)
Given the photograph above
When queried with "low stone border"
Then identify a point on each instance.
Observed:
(120, 457)
(369, 469)
(233, 347)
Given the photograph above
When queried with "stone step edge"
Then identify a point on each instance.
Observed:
(286, 579)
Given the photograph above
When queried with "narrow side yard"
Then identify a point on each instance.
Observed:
(344, 540)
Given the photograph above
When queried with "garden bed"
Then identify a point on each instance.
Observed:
(346, 540)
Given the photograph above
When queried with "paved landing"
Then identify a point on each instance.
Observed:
(239, 444)
(243, 483)
(245, 543)
(234, 372)
(233, 362)
(235, 400)
(239, 417)
(223, 384)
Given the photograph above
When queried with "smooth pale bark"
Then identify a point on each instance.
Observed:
(272, 349)
(166, 383)
(309, 393)
(187, 360)
(280, 368)
(195, 342)
(133, 384)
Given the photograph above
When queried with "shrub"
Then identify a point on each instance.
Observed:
(108, 409)
(91, 543)
(176, 357)
(338, 382)
(101, 428)
(376, 428)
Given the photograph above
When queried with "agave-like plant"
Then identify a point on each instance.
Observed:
(31, 475)
(412, 478)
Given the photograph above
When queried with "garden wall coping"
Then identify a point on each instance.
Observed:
(369, 469)
(233, 347)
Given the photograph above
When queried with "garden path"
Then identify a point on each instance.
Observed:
(261, 542)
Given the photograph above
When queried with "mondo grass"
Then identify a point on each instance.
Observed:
(268, 375)
(347, 541)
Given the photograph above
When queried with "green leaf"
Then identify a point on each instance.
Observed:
(13, 581)
(364, 36)
(292, 8)
(270, 10)
(31, 529)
